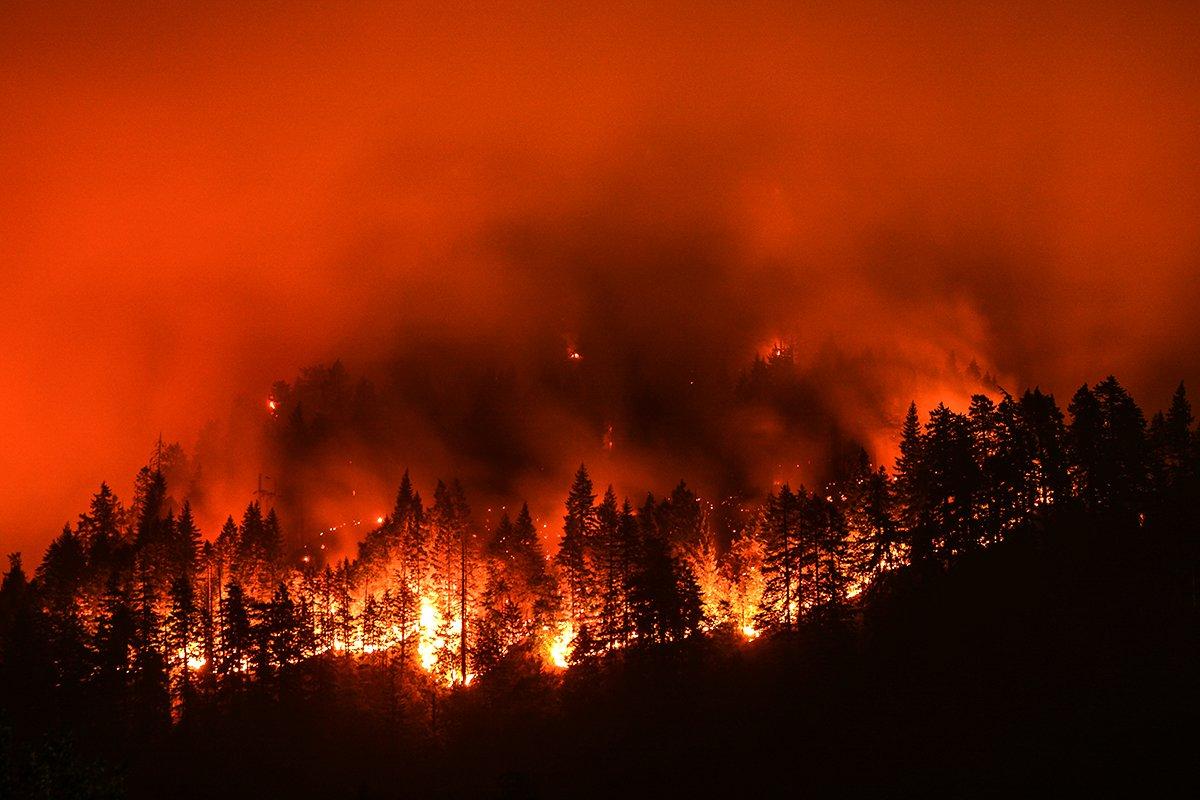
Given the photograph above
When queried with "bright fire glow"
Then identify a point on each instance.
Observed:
(560, 645)
(428, 641)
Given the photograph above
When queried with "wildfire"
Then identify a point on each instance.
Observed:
(429, 642)
(560, 646)
(191, 657)
(750, 632)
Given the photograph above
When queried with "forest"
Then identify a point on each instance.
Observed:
(1015, 599)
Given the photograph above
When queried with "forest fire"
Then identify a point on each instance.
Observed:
(431, 599)
(844, 500)
(560, 645)
(427, 583)
(430, 642)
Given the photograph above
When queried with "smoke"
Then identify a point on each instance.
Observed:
(199, 206)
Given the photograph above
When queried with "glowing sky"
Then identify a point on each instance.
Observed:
(199, 199)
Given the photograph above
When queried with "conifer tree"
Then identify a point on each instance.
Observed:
(236, 651)
(182, 634)
(573, 552)
(912, 491)
(1046, 474)
(782, 559)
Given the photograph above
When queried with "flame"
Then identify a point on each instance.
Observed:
(428, 640)
(560, 646)
(191, 657)
(749, 632)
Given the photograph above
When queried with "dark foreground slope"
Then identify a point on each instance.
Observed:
(1065, 656)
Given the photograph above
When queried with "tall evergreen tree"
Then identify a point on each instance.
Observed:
(183, 638)
(573, 553)
(952, 482)
(912, 491)
(236, 650)
(782, 563)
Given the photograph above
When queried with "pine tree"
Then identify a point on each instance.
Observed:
(531, 582)
(408, 517)
(1178, 439)
(953, 479)
(236, 651)
(100, 529)
(60, 580)
(500, 624)
(1125, 457)
(912, 491)
(1087, 449)
(282, 630)
(182, 635)
(830, 562)
(226, 552)
(664, 597)
(572, 558)
(1108, 445)
(186, 545)
(1047, 476)
(606, 569)
(629, 554)
(782, 560)
(372, 625)
(115, 639)
(867, 504)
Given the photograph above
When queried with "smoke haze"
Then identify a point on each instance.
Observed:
(201, 200)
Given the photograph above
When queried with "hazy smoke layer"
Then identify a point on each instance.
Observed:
(200, 202)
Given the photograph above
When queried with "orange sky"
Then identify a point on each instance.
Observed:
(199, 199)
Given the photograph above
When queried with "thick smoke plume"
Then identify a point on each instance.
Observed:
(197, 206)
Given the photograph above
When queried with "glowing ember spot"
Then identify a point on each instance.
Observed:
(272, 406)
(560, 645)
(573, 354)
(379, 520)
